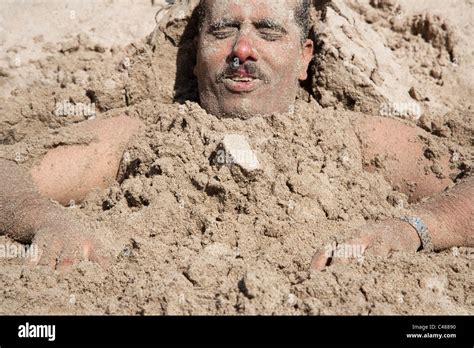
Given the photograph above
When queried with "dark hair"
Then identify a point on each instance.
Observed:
(302, 14)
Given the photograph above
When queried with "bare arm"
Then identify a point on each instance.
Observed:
(22, 209)
(70, 172)
(66, 173)
(27, 217)
(448, 215)
(396, 150)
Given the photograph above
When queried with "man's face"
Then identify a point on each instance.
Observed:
(250, 57)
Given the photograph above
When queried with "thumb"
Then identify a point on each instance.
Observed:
(320, 260)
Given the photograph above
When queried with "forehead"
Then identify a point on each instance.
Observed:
(281, 10)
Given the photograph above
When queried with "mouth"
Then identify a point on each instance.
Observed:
(242, 78)
(241, 83)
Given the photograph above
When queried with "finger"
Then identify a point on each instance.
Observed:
(350, 252)
(75, 252)
(103, 259)
(91, 250)
(66, 259)
(342, 260)
(97, 253)
(35, 257)
(378, 249)
(86, 249)
(49, 251)
(320, 261)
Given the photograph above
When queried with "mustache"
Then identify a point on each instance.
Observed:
(251, 68)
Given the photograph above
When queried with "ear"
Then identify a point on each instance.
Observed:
(306, 57)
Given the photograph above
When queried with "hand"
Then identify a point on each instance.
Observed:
(374, 238)
(65, 244)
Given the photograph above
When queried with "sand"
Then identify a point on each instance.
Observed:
(192, 236)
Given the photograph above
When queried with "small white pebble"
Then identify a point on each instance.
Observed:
(292, 299)
(239, 151)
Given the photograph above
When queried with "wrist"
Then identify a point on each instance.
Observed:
(435, 225)
(409, 235)
(417, 223)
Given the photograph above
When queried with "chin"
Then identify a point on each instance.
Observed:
(243, 107)
(246, 113)
(242, 113)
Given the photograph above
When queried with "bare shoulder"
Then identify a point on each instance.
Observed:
(70, 172)
(397, 150)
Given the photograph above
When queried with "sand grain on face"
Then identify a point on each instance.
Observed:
(195, 236)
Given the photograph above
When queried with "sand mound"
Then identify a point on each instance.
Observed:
(194, 234)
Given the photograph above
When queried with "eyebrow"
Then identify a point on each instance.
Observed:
(260, 24)
(224, 23)
(270, 24)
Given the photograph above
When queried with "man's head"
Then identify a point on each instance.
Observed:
(251, 55)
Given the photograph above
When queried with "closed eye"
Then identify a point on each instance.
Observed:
(224, 28)
(270, 35)
(224, 33)
(270, 30)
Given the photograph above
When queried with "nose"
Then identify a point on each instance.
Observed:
(244, 50)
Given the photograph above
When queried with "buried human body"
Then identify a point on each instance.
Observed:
(251, 56)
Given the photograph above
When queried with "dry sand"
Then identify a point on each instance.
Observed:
(193, 237)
